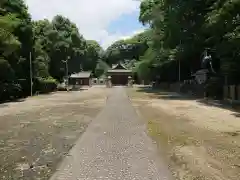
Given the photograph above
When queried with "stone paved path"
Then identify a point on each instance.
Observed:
(115, 146)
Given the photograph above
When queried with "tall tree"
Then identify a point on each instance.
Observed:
(92, 55)
(23, 32)
(65, 44)
(128, 49)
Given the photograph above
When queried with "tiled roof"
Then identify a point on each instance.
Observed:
(81, 75)
(119, 70)
(119, 66)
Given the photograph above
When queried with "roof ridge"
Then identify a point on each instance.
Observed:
(121, 64)
(81, 74)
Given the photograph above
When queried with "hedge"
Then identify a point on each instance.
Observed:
(46, 85)
(21, 89)
(10, 91)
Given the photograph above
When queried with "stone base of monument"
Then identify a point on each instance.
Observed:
(201, 76)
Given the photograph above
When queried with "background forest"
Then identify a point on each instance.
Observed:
(176, 32)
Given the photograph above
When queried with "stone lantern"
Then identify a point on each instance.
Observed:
(109, 82)
(130, 83)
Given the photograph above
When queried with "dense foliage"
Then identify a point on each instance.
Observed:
(178, 33)
(125, 50)
(181, 30)
(49, 45)
(128, 51)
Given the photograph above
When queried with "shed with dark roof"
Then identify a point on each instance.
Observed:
(81, 78)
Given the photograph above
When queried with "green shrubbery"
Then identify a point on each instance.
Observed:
(10, 91)
(46, 85)
(13, 90)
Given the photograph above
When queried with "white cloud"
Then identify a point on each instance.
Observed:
(133, 33)
(108, 39)
(91, 16)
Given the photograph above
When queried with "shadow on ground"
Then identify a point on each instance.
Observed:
(234, 107)
(164, 94)
(4, 103)
(78, 89)
(169, 95)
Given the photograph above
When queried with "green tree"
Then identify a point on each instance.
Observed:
(128, 49)
(6, 72)
(101, 68)
(93, 51)
(24, 34)
(8, 42)
(41, 48)
(63, 42)
(49, 43)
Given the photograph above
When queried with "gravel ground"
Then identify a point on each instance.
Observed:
(114, 146)
(201, 142)
(36, 133)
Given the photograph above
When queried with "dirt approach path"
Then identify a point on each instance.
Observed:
(115, 146)
(201, 142)
(37, 133)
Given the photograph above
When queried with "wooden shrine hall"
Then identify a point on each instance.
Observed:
(119, 75)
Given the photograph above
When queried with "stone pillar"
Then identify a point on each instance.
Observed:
(232, 92)
(130, 83)
(238, 92)
(226, 92)
(109, 82)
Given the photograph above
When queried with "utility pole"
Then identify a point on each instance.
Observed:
(179, 65)
(30, 63)
(179, 70)
(66, 63)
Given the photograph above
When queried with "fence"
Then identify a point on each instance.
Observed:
(97, 81)
(232, 92)
(184, 87)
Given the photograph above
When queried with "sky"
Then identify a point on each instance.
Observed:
(102, 20)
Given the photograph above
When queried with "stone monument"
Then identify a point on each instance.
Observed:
(202, 75)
